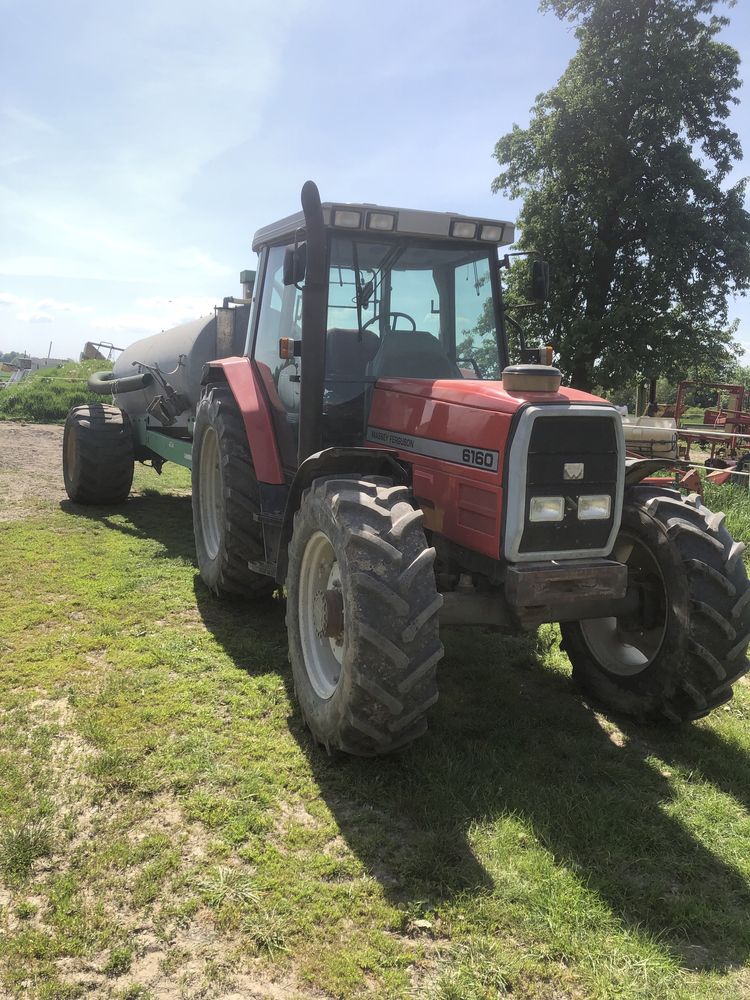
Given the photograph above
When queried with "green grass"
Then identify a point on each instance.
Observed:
(20, 847)
(45, 396)
(167, 827)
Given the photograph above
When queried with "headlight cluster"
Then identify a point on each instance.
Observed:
(596, 507)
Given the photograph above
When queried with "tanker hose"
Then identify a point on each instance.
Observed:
(105, 383)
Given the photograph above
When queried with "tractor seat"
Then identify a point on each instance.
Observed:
(347, 355)
(412, 354)
(347, 358)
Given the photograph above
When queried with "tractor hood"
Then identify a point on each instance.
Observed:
(483, 395)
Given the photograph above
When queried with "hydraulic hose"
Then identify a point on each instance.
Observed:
(105, 383)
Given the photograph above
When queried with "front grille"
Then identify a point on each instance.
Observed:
(555, 441)
(545, 438)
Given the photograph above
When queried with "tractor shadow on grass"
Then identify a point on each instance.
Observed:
(512, 741)
(160, 517)
(514, 759)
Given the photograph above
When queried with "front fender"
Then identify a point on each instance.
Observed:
(638, 469)
(353, 462)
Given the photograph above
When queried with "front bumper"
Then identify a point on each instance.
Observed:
(551, 591)
(545, 591)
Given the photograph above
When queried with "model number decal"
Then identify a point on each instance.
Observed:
(477, 458)
(482, 459)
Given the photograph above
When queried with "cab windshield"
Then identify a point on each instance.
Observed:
(409, 309)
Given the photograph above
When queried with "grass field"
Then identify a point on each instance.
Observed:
(45, 396)
(169, 830)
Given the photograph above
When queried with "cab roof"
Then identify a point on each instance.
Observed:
(406, 221)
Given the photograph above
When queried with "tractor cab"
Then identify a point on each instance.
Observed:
(353, 294)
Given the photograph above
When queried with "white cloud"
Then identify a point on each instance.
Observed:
(104, 194)
(153, 314)
(28, 310)
(25, 120)
(58, 306)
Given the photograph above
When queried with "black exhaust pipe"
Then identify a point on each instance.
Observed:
(313, 326)
(105, 383)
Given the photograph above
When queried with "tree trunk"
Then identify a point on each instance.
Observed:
(581, 375)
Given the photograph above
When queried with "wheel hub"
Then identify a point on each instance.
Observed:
(329, 613)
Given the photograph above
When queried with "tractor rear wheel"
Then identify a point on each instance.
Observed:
(362, 609)
(678, 655)
(98, 457)
(225, 500)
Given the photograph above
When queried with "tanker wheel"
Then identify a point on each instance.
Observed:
(677, 656)
(98, 457)
(362, 615)
(225, 500)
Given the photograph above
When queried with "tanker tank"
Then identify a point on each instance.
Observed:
(177, 357)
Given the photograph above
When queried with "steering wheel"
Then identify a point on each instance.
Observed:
(395, 315)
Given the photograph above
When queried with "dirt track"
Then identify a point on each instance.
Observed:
(30, 467)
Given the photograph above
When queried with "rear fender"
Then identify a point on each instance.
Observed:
(244, 382)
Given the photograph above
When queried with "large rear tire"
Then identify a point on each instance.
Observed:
(677, 657)
(98, 459)
(362, 616)
(225, 500)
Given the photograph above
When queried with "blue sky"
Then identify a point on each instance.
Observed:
(142, 144)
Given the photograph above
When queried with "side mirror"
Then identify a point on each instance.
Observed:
(540, 281)
(295, 264)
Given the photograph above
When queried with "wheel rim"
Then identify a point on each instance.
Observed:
(320, 593)
(211, 500)
(628, 645)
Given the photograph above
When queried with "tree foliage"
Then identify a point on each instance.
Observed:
(623, 172)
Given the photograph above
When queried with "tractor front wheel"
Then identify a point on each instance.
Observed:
(677, 655)
(362, 609)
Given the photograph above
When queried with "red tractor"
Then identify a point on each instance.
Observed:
(358, 437)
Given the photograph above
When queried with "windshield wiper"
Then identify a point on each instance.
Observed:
(366, 291)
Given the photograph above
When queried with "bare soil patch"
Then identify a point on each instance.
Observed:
(30, 468)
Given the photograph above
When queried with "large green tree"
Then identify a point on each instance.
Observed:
(623, 171)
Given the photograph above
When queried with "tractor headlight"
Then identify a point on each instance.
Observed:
(464, 230)
(492, 233)
(547, 509)
(381, 220)
(347, 218)
(594, 508)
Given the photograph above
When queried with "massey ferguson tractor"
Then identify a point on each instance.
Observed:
(358, 437)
